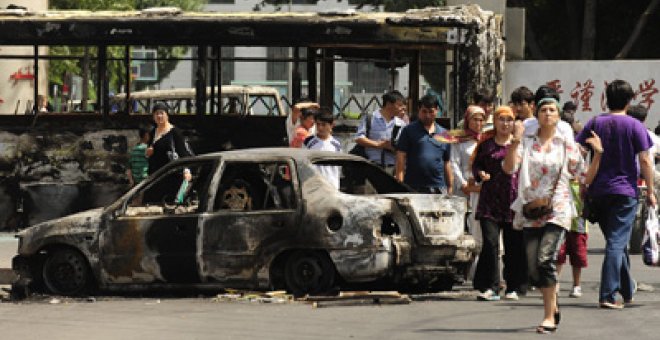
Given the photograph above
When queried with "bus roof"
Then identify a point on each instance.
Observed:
(174, 27)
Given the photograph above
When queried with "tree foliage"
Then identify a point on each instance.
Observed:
(387, 5)
(433, 74)
(558, 29)
(58, 69)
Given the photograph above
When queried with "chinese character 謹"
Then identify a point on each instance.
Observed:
(582, 93)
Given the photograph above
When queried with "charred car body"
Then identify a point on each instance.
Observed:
(254, 219)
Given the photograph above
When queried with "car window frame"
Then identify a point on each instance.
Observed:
(119, 210)
(295, 183)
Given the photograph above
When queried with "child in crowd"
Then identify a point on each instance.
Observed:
(324, 141)
(138, 165)
(575, 244)
(304, 130)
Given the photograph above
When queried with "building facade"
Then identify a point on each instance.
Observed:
(360, 81)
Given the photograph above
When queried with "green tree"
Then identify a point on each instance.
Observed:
(58, 69)
(590, 29)
(433, 74)
(388, 5)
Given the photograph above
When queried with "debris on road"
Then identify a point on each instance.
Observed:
(277, 296)
(358, 298)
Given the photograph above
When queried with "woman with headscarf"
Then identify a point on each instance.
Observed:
(546, 162)
(498, 190)
(460, 157)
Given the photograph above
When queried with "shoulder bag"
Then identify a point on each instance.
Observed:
(540, 207)
(172, 155)
(358, 149)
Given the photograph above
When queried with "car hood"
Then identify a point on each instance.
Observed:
(67, 227)
(438, 216)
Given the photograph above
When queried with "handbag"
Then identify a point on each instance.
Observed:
(172, 154)
(651, 240)
(359, 150)
(537, 208)
(589, 212)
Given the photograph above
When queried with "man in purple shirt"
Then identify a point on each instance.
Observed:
(614, 190)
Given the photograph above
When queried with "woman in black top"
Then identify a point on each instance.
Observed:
(167, 142)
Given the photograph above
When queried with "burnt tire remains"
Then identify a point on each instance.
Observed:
(65, 272)
(309, 272)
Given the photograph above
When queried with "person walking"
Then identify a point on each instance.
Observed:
(546, 162)
(531, 124)
(522, 100)
(138, 165)
(306, 127)
(422, 159)
(461, 163)
(323, 140)
(495, 215)
(613, 194)
(376, 136)
(575, 243)
(294, 121)
(166, 141)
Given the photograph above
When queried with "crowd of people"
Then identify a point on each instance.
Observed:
(543, 165)
(545, 168)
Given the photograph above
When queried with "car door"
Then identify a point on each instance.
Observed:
(154, 237)
(254, 214)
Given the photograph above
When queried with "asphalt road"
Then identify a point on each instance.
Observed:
(452, 316)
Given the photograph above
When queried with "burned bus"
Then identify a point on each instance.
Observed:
(74, 158)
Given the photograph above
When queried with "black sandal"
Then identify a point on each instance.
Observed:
(546, 329)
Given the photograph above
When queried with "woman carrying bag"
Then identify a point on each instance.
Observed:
(167, 142)
(546, 162)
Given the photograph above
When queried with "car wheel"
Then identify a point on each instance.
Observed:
(308, 272)
(65, 272)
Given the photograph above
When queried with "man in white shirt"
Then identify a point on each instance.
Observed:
(324, 141)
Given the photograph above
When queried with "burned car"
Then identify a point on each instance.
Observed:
(254, 219)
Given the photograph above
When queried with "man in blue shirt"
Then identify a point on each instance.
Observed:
(422, 159)
(377, 141)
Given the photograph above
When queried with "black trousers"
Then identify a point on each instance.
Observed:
(542, 248)
(487, 274)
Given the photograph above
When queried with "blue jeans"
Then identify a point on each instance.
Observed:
(616, 217)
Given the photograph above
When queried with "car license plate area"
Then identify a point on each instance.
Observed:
(437, 222)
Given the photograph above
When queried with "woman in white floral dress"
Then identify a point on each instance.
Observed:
(546, 163)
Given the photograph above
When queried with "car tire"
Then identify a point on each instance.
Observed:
(309, 273)
(65, 272)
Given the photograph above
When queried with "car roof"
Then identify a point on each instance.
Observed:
(280, 152)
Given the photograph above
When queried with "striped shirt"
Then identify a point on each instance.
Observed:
(138, 163)
(380, 130)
